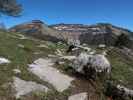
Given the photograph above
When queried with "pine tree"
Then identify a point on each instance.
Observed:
(10, 8)
(123, 40)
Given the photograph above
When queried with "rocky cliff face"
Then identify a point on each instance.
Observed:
(94, 34)
(89, 34)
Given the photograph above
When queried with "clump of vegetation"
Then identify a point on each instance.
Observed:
(122, 68)
(123, 40)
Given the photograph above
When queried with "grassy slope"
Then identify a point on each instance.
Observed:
(122, 68)
(20, 57)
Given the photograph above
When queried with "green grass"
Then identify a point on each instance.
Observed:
(122, 68)
(20, 58)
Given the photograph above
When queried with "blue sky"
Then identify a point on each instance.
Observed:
(117, 12)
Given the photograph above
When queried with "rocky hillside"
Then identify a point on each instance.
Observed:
(34, 69)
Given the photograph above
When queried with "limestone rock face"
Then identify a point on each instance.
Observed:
(73, 33)
(101, 33)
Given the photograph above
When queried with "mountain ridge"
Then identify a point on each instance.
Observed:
(101, 33)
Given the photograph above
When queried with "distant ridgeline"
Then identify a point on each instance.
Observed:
(89, 34)
(38, 29)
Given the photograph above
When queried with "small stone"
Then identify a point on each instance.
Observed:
(61, 62)
(80, 96)
(20, 45)
(42, 46)
(52, 56)
(68, 57)
(4, 60)
(92, 53)
(16, 71)
(102, 46)
(104, 53)
(58, 52)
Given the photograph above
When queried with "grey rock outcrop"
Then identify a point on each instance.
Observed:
(97, 62)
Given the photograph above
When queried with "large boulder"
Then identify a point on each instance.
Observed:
(97, 63)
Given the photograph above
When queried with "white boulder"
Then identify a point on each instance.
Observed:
(98, 62)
